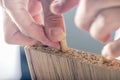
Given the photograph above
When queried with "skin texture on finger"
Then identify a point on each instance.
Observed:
(61, 6)
(24, 21)
(105, 23)
(54, 24)
(89, 9)
(20, 15)
(13, 35)
(34, 7)
(84, 16)
(37, 18)
(112, 50)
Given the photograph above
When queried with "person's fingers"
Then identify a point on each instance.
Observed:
(34, 7)
(25, 22)
(112, 50)
(18, 38)
(89, 9)
(61, 6)
(54, 24)
(13, 35)
(106, 22)
(37, 18)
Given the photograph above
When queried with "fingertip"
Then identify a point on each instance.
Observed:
(106, 55)
(109, 51)
(51, 43)
(61, 6)
(81, 24)
(54, 45)
(55, 7)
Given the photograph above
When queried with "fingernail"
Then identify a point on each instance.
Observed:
(57, 34)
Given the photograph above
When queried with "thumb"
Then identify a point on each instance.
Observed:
(61, 6)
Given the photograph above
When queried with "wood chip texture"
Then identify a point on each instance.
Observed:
(51, 64)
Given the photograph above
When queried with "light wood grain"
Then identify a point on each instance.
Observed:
(51, 64)
(63, 45)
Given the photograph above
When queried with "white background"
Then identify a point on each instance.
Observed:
(9, 57)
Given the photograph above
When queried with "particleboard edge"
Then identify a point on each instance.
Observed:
(37, 50)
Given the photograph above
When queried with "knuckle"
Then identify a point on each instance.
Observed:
(77, 22)
(98, 27)
(80, 24)
(53, 20)
(95, 35)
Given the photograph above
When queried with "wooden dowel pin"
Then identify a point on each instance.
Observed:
(63, 45)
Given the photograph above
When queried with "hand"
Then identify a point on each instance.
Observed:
(98, 17)
(23, 23)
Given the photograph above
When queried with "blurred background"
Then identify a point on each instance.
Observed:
(13, 59)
